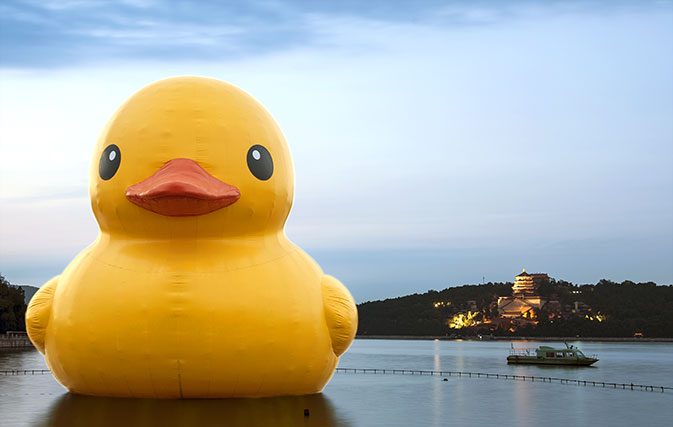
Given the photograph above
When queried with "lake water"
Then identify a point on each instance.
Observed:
(385, 400)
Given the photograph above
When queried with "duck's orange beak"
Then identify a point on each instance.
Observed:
(181, 187)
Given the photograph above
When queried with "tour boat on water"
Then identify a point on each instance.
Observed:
(545, 355)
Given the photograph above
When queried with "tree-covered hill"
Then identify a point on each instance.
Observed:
(424, 314)
(624, 309)
(12, 307)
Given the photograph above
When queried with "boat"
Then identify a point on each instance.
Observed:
(545, 355)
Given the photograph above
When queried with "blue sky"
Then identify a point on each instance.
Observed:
(435, 143)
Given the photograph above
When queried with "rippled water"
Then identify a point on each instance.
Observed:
(385, 400)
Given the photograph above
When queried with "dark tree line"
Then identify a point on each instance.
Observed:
(12, 307)
(627, 308)
(417, 315)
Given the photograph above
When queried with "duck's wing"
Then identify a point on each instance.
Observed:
(38, 312)
(340, 313)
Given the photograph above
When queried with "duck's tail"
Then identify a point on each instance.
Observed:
(38, 313)
(340, 312)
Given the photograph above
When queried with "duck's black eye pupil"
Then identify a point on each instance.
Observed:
(109, 162)
(260, 162)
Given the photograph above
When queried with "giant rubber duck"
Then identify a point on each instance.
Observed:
(192, 289)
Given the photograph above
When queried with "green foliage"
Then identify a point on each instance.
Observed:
(632, 307)
(12, 307)
(628, 308)
(417, 315)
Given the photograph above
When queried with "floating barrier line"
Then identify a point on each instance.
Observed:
(461, 374)
(26, 372)
(602, 384)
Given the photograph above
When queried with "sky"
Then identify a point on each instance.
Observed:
(435, 143)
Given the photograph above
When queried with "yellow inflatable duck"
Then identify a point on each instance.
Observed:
(192, 289)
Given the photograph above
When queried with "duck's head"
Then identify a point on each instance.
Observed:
(191, 157)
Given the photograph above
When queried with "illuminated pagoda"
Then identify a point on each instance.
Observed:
(523, 284)
(524, 296)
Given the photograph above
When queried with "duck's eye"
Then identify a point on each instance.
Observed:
(109, 162)
(260, 162)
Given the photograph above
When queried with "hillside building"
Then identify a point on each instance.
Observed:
(524, 296)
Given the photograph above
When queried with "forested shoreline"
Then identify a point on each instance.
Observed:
(624, 309)
(12, 307)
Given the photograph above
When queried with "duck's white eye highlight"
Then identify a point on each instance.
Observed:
(255, 155)
(112, 155)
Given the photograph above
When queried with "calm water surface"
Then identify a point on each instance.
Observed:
(385, 400)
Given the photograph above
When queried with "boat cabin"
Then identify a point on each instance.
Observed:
(546, 351)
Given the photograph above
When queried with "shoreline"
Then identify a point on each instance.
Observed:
(490, 338)
(15, 340)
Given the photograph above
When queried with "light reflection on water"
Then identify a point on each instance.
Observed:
(436, 366)
(521, 401)
(383, 400)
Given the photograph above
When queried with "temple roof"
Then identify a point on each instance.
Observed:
(523, 273)
(510, 304)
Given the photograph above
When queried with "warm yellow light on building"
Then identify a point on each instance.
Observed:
(598, 317)
(464, 320)
(442, 304)
(528, 314)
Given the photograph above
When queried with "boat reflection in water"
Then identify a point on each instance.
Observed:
(73, 410)
(545, 355)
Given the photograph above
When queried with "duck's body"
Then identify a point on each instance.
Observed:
(176, 310)
(191, 325)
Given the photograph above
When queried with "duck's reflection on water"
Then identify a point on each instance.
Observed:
(73, 410)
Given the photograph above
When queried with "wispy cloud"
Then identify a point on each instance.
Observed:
(430, 143)
(145, 33)
(57, 33)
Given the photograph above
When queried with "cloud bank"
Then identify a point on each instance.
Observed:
(432, 147)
